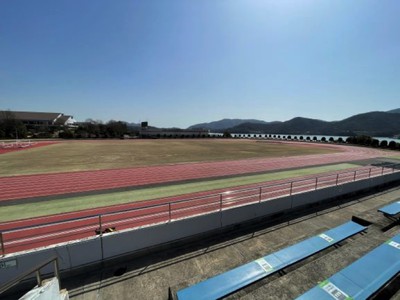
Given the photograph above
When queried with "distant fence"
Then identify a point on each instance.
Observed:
(30, 237)
(16, 144)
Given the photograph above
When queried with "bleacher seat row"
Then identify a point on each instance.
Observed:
(391, 211)
(235, 279)
(364, 277)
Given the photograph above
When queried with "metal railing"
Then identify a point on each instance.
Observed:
(29, 237)
(36, 269)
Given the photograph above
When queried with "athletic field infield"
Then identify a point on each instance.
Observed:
(69, 156)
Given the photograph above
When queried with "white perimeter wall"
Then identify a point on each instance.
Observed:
(85, 252)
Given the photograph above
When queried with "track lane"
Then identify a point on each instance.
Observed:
(165, 210)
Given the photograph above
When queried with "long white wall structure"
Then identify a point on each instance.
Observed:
(86, 252)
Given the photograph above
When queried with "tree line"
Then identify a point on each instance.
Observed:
(368, 141)
(12, 128)
(98, 129)
(361, 140)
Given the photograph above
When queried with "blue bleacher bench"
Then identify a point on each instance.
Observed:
(362, 278)
(235, 279)
(391, 211)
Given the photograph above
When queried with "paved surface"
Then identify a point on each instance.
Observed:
(149, 276)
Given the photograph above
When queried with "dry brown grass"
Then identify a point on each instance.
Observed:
(107, 154)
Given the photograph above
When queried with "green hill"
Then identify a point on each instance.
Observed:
(386, 124)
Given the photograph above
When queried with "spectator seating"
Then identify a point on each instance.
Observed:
(235, 279)
(391, 211)
(362, 278)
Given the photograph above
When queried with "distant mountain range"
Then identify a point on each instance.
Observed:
(396, 111)
(225, 123)
(386, 124)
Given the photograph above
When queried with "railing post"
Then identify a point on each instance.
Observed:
(38, 278)
(101, 239)
(355, 174)
(2, 244)
(316, 182)
(291, 188)
(100, 226)
(337, 179)
(382, 170)
(369, 173)
(56, 272)
(220, 210)
(169, 211)
(260, 195)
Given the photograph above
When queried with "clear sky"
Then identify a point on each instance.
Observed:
(182, 62)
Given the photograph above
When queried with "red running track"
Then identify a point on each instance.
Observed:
(31, 186)
(50, 230)
(139, 204)
(147, 203)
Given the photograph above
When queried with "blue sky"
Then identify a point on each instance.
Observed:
(182, 62)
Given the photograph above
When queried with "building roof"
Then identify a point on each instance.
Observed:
(42, 116)
(37, 116)
(62, 120)
(48, 117)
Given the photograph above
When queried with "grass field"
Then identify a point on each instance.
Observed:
(28, 210)
(106, 154)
